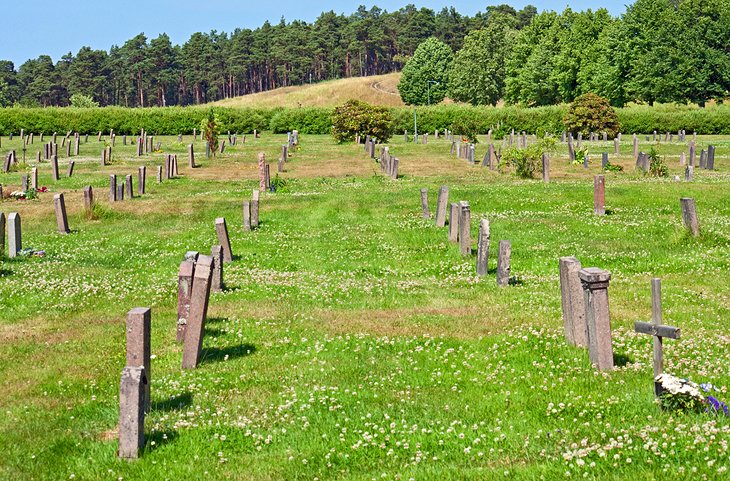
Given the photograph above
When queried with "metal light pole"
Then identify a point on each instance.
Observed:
(429, 89)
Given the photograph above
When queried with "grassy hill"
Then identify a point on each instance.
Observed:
(379, 90)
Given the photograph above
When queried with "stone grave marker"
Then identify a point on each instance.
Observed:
(198, 312)
(2, 234)
(34, 178)
(689, 216)
(141, 179)
(595, 294)
(454, 222)
(88, 199)
(441, 203)
(139, 350)
(112, 188)
(464, 228)
(184, 294)
(191, 156)
(120, 192)
(246, 215)
(15, 241)
(255, 209)
(711, 157)
(216, 253)
(61, 220)
(129, 186)
(689, 173)
(504, 263)
(262, 171)
(573, 302)
(222, 231)
(599, 195)
(483, 248)
(54, 167)
(424, 204)
(132, 412)
(70, 169)
(546, 168)
(24, 183)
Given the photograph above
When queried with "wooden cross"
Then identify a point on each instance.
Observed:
(656, 329)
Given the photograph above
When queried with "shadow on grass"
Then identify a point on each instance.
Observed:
(516, 281)
(621, 360)
(175, 403)
(213, 332)
(214, 320)
(157, 439)
(217, 354)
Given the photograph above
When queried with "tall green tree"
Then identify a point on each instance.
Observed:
(478, 73)
(425, 77)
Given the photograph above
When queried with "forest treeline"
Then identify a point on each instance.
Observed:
(659, 50)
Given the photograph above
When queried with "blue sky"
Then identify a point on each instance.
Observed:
(56, 28)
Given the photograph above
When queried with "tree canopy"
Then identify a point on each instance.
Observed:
(425, 77)
(658, 51)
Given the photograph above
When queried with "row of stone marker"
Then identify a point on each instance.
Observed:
(460, 232)
(198, 276)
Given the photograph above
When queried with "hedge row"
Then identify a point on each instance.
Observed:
(175, 120)
(159, 121)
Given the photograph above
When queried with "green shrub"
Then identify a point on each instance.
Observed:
(657, 167)
(591, 113)
(356, 117)
(528, 161)
(83, 101)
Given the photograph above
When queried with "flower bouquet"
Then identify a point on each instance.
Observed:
(678, 394)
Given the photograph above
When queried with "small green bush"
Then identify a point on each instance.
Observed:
(528, 161)
(356, 117)
(657, 167)
(591, 113)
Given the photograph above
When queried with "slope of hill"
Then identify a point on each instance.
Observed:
(378, 90)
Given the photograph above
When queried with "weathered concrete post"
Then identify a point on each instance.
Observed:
(222, 231)
(574, 312)
(141, 179)
(464, 228)
(139, 350)
(216, 253)
(441, 203)
(246, 215)
(88, 199)
(198, 312)
(15, 241)
(424, 204)
(255, 209)
(595, 294)
(453, 222)
(483, 248)
(132, 411)
(504, 263)
(184, 293)
(61, 220)
(599, 195)
(112, 188)
(689, 216)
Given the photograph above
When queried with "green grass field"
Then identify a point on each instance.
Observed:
(353, 341)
